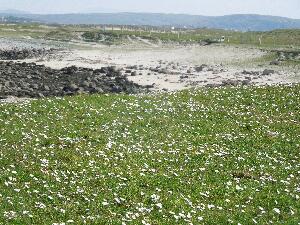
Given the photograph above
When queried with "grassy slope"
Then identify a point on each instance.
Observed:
(270, 39)
(212, 156)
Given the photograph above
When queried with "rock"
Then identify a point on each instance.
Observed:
(230, 82)
(163, 71)
(93, 85)
(150, 86)
(200, 68)
(246, 72)
(20, 54)
(40, 95)
(99, 90)
(46, 88)
(85, 83)
(31, 80)
(72, 87)
(70, 70)
(245, 82)
(135, 67)
(134, 73)
(213, 85)
(116, 89)
(34, 86)
(276, 63)
(103, 70)
(267, 72)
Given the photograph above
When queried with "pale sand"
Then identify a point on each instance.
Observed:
(227, 62)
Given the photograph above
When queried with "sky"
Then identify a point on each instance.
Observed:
(286, 8)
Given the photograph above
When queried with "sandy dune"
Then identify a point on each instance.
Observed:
(175, 64)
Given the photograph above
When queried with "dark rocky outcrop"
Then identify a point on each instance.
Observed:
(21, 54)
(32, 80)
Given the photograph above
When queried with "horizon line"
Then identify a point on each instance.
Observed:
(136, 12)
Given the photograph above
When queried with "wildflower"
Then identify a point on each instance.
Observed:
(105, 203)
(200, 218)
(277, 210)
(159, 205)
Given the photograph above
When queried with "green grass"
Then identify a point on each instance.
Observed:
(207, 156)
(272, 39)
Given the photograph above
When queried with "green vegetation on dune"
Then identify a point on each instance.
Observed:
(207, 156)
(271, 39)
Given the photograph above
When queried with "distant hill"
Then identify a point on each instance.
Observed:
(15, 19)
(242, 22)
(13, 12)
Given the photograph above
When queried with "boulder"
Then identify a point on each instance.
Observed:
(267, 72)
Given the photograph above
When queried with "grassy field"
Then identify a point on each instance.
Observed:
(271, 39)
(207, 156)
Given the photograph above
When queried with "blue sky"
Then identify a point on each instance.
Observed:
(288, 8)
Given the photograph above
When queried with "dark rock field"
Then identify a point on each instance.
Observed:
(34, 81)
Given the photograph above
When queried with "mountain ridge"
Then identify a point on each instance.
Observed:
(242, 22)
(13, 11)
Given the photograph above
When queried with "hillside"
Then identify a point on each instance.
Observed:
(241, 22)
